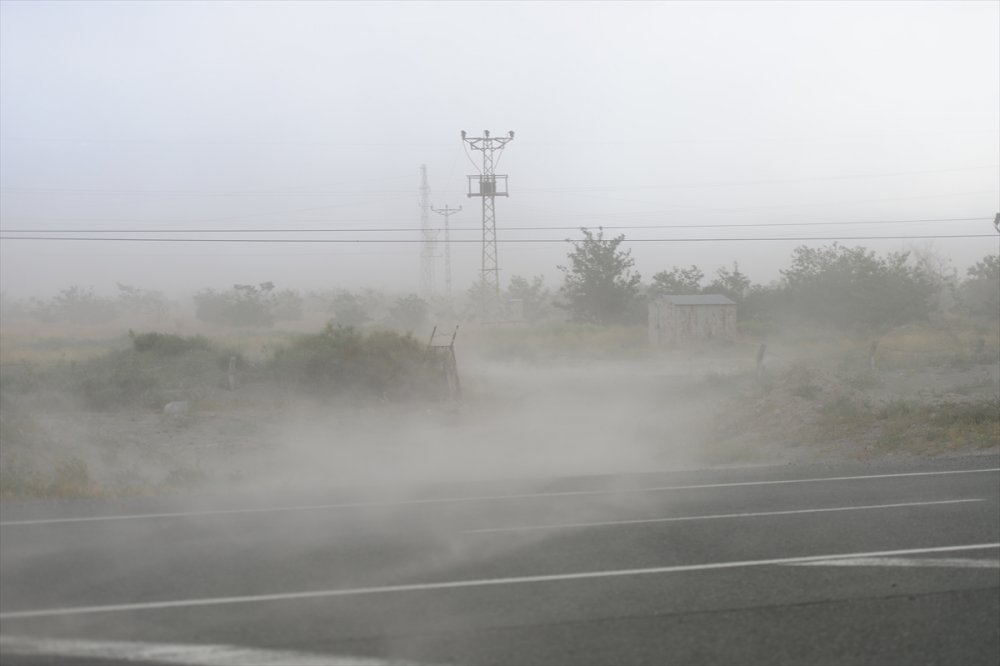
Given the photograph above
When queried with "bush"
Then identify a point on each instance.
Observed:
(146, 302)
(560, 340)
(118, 379)
(345, 361)
(157, 365)
(75, 305)
(980, 292)
(168, 344)
(409, 312)
(247, 305)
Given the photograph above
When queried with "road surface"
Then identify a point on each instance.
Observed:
(857, 563)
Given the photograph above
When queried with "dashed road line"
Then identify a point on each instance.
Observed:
(482, 498)
(716, 516)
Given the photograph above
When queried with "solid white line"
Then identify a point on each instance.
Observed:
(716, 516)
(483, 582)
(481, 498)
(174, 653)
(954, 562)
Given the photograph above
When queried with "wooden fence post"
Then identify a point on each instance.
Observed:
(760, 362)
(871, 355)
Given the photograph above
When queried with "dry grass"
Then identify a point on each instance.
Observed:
(554, 340)
(933, 390)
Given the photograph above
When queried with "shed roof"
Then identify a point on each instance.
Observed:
(699, 299)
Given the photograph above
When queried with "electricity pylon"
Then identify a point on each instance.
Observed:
(428, 245)
(489, 185)
(447, 212)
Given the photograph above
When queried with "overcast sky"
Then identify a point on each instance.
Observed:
(318, 115)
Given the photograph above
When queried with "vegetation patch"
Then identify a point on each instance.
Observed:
(922, 429)
(31, 466)
(350, 363)
(560, 340)
(168, 344)
(809, 408)
(157, 370)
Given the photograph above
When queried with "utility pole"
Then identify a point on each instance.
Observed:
(447, 212)
(488, 186)
(428, 246)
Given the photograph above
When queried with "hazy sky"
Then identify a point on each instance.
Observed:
(318, 115)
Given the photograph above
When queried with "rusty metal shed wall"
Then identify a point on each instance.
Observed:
(672, 322)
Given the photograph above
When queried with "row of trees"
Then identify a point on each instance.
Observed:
(80, 305)
(242, 305)
(248, 305)
(262, 305)
(601, 285)
(834, 285)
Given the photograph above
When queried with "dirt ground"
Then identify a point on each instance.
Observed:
(522, 420)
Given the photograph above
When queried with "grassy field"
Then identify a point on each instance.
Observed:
(82, 408)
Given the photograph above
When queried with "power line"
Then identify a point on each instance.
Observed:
(588, 188)
(512, 240)
(188, 142)
(198, 193)
(773, 181)
(542, 228)
(223, 218)
(818, 138)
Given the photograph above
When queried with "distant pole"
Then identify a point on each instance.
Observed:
(489, 185)
(760, 361)
(447, 212)
(428, 245)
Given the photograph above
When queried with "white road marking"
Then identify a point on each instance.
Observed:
(459, 584)
(716, 516)
(954, 562)
(481, 498)
(173, 653)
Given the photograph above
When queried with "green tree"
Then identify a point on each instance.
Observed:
(473, 298)
(350, 310)
(980, 292)
(677, 282)
(76, 305)
(251, 305)
(287, 305)
(844, 286)
(730, 283)
(147, 302)
(243, 305)
(409, 312)
(600, 286)
(536, 300)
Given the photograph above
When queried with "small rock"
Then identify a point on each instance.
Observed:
(177, 408)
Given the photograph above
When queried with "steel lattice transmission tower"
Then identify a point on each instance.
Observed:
(447, 212)
(428, 236)
(488, 185)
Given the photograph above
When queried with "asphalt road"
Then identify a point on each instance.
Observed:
(881, 563)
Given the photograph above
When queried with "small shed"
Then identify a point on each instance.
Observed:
(674, 319)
